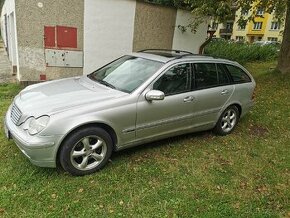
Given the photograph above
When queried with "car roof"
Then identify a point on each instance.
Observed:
(166, 56)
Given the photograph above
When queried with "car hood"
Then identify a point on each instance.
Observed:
(60, 95)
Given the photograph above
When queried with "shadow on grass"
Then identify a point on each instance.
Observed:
(116, 156)
(162, 143)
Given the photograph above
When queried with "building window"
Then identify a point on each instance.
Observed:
(273, 39)
(275, 26)
(260, 11)
(240, 38)
(215, 26)
(245, 12)
(258, 25)
(242, 27)
(229, 26)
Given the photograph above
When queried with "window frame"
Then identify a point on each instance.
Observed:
(194, 88)
(166, 70)
(258, 25)
(242, 27)
(260, 11)
(244, 12)
(273, 39)
(231, 78)
(193, 76)
(276, 25)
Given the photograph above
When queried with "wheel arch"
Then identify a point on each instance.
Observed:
(104, 126)
(238, 105)
(239, 108)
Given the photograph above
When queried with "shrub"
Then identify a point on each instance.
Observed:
(241, 52)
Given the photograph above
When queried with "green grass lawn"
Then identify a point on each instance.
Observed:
(245, 174)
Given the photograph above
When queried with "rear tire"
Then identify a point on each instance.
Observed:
(86, 151)
(227, 121)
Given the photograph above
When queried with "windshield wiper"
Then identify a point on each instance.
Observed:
(101, 81)
(106, 84)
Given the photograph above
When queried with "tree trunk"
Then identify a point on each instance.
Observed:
(201, 48)
(284, 55)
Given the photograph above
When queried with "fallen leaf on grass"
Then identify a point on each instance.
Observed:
(262, 189)
(237, 205)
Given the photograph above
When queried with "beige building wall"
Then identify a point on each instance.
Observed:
(32, 16)
(108, 31)
(269, 33)
(237, 31)
(188, 41)
(154, 26)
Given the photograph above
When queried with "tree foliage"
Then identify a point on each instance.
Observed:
(222, 10)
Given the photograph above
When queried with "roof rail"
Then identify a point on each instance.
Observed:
(167, 50)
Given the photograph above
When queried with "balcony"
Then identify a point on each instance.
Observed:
(226, 31)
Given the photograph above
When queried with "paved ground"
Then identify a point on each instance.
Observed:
(5, 67)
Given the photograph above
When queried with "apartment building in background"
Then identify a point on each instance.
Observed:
(265, 28)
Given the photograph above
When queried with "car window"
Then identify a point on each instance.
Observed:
(175, 80)
(222, 75)
(205, 75)
(126, 73)
(237, 74)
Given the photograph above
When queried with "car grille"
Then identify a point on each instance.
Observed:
(15, 114)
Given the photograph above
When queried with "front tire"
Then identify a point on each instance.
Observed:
(227, 121)
(86, 151)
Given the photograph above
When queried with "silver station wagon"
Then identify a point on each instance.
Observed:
(78, 122)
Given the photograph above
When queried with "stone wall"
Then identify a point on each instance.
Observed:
(154, 26)
(31, 17)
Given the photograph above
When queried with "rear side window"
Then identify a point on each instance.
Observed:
(237, 74)
(205, 75)
(223, 75)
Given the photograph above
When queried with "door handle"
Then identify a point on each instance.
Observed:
(225, 92)
(188, 99)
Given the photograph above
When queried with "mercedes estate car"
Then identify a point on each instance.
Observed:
(77, 123)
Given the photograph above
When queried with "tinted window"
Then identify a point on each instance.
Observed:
(205, 75)
(222, 75)
(174, 81)
(237, 74)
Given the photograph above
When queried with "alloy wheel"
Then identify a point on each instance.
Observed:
(88, 153)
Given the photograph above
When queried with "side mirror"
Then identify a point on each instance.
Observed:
(154, 95)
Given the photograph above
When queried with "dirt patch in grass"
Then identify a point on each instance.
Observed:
(258, 131)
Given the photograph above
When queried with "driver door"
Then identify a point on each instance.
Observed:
(174, 113)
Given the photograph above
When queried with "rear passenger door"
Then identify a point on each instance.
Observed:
(213, 88)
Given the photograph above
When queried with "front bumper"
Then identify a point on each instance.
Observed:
(40, 150)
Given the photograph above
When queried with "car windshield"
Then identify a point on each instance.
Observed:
(126, 73)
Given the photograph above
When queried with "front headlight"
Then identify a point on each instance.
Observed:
(34, 126)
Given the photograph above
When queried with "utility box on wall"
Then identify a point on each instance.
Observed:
(66, 37)
(60, 37)
(49, 36)
(63, 58)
